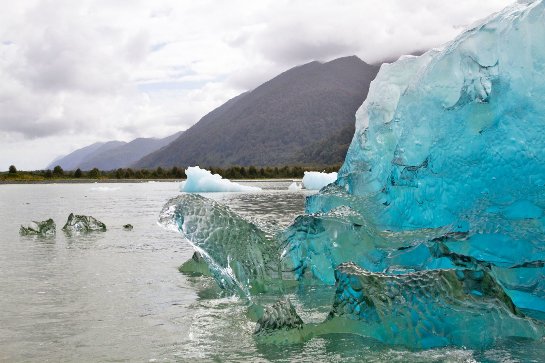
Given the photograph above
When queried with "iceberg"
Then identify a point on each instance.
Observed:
(315, 180)
(447, 150)
(203, 181)
(83, 224)
(434, 226)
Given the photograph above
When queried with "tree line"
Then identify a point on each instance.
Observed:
(233, 172)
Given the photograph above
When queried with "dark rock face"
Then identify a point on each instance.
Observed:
(128, 227)
(44, 228)
(276, 123)
(83, 224)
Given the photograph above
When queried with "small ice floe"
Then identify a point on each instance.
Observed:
(203, 181)
(83, 224)
(104, 189)
(295, 187)
(43, 228)
(315, 180)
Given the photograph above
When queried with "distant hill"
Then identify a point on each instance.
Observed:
(127, 154)
(112, 154)
(305, 115)
(73, 160)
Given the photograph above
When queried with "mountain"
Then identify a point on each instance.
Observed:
(112, 154)
(126, 154)
(291, 119)
(75, 158)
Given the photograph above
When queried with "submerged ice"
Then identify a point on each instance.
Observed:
(434, 227)
(428, 308)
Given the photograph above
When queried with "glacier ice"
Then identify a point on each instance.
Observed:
(434, 227)
(39, 228)
(279, 316)
(446, 144)
(294, 187)
(203, 181)
(316, 180)
(240, 256)
(429, 308)
(79, 223)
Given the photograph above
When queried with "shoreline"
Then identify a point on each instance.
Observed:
(126, 181)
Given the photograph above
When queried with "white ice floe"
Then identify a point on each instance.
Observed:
(104, 189)
(203, 181)
(315, 180)
(295, 187)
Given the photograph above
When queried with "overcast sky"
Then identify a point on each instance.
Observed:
(76, 72)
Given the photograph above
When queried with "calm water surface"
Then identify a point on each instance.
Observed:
(118, 296)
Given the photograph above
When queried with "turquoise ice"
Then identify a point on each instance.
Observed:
(435, 226)
(447, 155)
(240, 256)
(428, 308)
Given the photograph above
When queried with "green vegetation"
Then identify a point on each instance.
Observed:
(94, 174)
(57, 171)
(234, 172)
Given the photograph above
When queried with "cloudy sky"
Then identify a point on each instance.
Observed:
(76, 72)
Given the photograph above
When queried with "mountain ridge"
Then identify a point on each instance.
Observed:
(276, 121)
(111, 154)
(72, 160)
(127, 154)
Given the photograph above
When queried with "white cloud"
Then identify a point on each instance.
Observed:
(76, 72)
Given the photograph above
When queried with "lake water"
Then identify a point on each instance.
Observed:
(118, 296)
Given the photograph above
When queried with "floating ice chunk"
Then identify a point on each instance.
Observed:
(104, 189)
(83, 224)
(315, 180)
(43, 228)
(203, 181)
(295, 187)
(240, 256)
